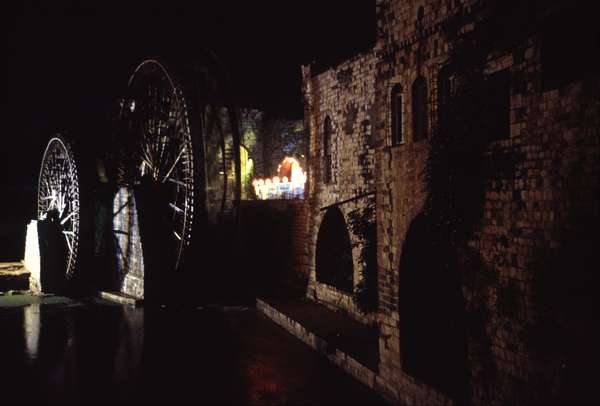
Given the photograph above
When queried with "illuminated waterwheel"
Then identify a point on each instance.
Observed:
(159, 152)
(178, 175)
(58, 197)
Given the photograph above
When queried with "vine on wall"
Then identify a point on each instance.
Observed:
(457, 173)
(362, 224)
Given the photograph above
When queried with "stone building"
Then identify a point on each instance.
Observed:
(339, 110)
(471, 128)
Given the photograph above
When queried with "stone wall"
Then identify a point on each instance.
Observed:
(31, 260)
(128, 246)
(345, 95)
(546, 171)
(507, 295)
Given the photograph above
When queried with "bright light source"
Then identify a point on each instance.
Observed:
(287, 184)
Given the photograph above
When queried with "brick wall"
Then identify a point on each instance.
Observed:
(128, 246)
(345, 95)
(529, 210)
(521, 274)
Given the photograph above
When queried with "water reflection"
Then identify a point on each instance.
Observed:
(128, 357)
(113, 354)
(31, 328)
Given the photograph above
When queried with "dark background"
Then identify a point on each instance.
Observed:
(66, 63)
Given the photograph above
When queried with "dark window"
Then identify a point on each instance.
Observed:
(498, 105)
(334, 252)
(397, 106)
(419, 109)
(327, 134)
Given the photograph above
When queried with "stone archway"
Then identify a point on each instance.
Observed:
(334, 264)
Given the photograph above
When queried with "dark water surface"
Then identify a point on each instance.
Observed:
(61, 351)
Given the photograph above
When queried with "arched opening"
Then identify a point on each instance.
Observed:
(334, 252)
(419, 109)
(431, 310)
(327, 134)
(397, 106)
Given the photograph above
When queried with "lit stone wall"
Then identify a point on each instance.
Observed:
(530, 210)
(129, 257)
(529, 249)
(32, 256)
(345, 94)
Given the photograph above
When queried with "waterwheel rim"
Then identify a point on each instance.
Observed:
(59, 196)
(161, 146)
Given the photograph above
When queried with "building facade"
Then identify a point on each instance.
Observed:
(475, 149)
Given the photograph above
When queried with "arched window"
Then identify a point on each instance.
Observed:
(397, 107)
(327, 135)
(420, 14)
(334, 264)
(419, 109)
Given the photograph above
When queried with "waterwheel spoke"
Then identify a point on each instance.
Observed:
(177, 182)
(177, 209)
(69, 244)
(174, 164)
(63, 221)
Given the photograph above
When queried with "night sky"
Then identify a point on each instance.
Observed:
(66, 63)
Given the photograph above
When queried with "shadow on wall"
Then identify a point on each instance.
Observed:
(431, 306)
(433, 319)
(334, 252)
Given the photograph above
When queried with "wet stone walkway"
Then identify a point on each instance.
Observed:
(55, 350)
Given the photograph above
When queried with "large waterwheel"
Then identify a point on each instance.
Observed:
(59, 214)
(178, 143)
(58, 203)
(68, 218)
